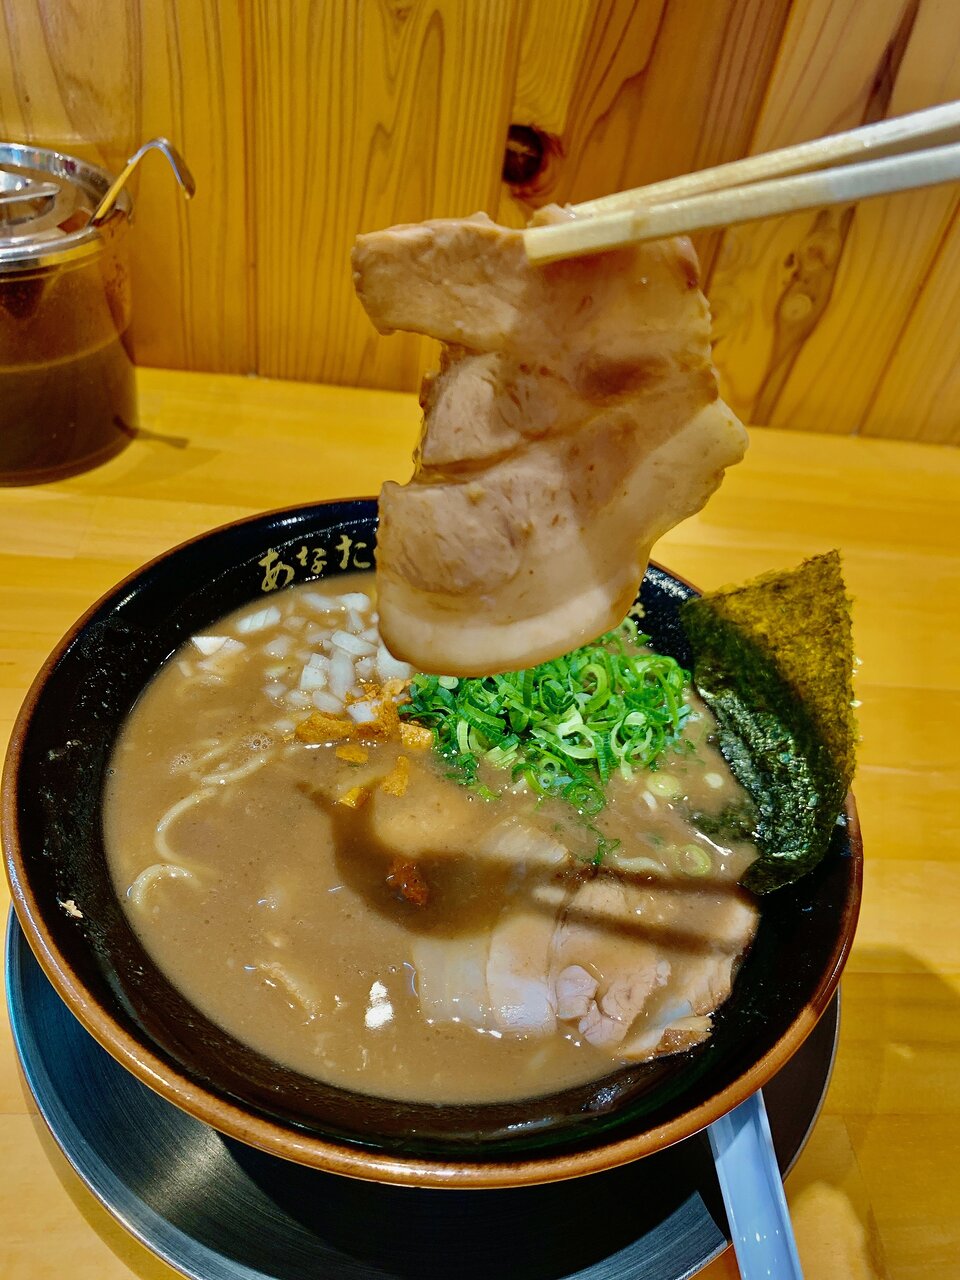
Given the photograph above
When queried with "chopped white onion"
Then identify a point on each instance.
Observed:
(279, 647)
(312, 678)
(341, 674)
(363, 712)
(209, 644)
(259, 621)
(391, 668)
(333, 658)
(226, 650)
(322, 604)
(352, 644)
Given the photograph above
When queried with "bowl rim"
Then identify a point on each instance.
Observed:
(276, 1138)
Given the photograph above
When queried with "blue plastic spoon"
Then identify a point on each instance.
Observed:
(753, 1194)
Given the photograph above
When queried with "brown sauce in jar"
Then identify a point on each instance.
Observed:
(67, 386)
(64, 416)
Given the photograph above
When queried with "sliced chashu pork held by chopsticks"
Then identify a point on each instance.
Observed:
(574, 419)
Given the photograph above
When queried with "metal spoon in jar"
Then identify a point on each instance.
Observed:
(177, 164)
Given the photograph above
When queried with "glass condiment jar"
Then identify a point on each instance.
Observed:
(67, 392)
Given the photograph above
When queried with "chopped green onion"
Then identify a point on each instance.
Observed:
(564, 726)
(665, 785)
(694, 860)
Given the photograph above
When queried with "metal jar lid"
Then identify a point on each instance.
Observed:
(53, 207)
(47, 200)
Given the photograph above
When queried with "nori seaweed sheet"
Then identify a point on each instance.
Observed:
(774, 662)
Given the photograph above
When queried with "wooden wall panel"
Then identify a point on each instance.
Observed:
(550, 55)
(659, 88)
(306, 121)
(71, 76)
(808, 309)
(192, 267)
(918, 396)
(363, 115)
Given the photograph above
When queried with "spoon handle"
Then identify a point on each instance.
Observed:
(176, 162)
(753, 1193)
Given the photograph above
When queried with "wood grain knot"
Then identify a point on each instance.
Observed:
(525, 154)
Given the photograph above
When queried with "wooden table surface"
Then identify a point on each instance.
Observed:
(876, 1193)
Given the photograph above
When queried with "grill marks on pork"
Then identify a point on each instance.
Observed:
(573, 420)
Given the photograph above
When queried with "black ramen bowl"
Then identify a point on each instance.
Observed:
(53, 840)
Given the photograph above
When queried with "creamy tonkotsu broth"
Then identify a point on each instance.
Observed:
(344, 907)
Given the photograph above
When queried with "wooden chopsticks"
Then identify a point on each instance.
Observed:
(916, 150)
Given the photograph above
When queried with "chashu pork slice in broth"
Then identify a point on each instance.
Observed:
(574, 419)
